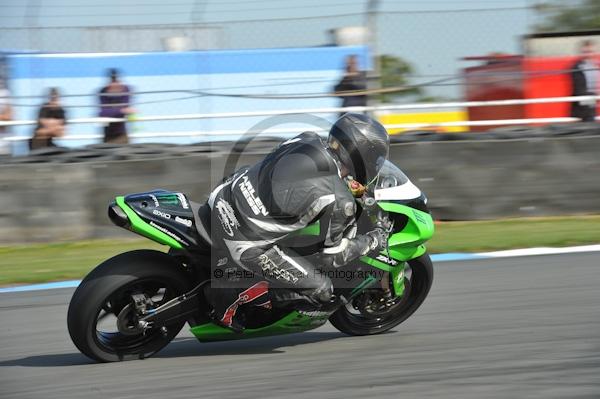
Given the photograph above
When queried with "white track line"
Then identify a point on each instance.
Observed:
(513, 253)
(540, 251)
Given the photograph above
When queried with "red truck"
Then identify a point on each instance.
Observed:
(543, 71)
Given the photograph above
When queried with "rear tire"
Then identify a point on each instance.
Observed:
(107, 289)
(417, 288)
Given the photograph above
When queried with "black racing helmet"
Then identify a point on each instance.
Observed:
(361, 144)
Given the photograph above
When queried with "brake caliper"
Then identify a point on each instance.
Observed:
(142, 303)
(128, 321)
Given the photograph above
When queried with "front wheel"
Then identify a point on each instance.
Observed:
(370, 314)
(102, 316)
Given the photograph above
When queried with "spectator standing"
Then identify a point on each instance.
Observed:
(585, 77)
(114, 103)
(51, 122)
(353, 80)
(5, 116)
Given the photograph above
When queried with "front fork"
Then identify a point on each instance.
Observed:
(397, 276)
(394, 278)
(392, 282)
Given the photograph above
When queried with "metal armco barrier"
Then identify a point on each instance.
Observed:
(64, 195)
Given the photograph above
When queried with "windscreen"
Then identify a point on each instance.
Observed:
(390, 176)
(392, 184)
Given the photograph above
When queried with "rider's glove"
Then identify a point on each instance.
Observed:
(379, 238)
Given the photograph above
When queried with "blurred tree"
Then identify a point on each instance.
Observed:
(394, 71)
(583, 15)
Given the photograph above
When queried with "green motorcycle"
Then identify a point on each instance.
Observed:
(134, 304)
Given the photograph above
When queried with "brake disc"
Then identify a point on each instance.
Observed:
(375, 303)
(127, 321)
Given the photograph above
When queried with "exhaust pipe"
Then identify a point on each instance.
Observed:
(118, 216)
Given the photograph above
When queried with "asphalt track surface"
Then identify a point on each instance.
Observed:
(502, 328)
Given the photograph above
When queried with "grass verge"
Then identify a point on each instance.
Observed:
(515, 233)
(61, 261)
(65, 261)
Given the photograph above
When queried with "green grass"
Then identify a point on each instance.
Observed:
(515, 233)
(64, 261)
(61, 261)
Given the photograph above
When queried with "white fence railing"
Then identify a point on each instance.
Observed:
(379, 108)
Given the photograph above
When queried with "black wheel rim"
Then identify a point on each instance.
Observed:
(105, 330)
(414, 294)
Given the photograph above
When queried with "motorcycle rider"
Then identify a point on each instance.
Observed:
(304, 180)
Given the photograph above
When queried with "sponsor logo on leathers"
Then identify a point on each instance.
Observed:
(249, 193)
(271, 269)
(222, 262)
(227, 217)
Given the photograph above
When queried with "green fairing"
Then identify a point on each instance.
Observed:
(144, 229)
(378, 264)
(404, 245)
(418, 229)
(404, 254)
(292, 323)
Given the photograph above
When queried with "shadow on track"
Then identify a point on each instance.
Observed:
(185, 347)
(191, 347)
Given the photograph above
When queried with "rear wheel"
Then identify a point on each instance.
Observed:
(103, 313)
(373, 313)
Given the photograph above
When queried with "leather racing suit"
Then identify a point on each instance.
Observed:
(257, 208)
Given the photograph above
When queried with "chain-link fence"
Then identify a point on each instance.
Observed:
(97, 39)
(433, 41)
(429, 41)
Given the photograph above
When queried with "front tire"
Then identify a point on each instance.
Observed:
(107, 291)
(417, 288)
